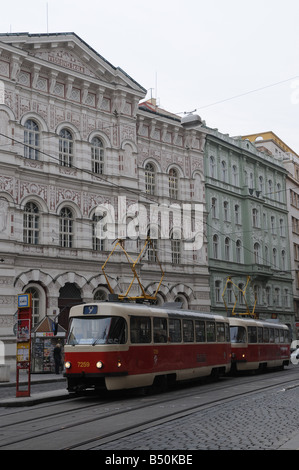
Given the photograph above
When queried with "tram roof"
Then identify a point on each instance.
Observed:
(150, 309)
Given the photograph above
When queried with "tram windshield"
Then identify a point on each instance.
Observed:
(237, 334)
(99, 330)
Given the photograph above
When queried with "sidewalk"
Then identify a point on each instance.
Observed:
(35, 397)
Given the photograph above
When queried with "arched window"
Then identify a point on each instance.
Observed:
(173, 183)
(31, 224)
(212, 167)
(150, 178)
(235, 176)
(31, 140)
(255, 218)
(35, 305)
(66, 148)
(257, 253)
(97, 156)
(261, 184)
(215, 246)
(66, 228)
(238, 251)
(224, 171)
(214, 208)
(97, 243)
(227, 249)
(237, 214)
(218, 297)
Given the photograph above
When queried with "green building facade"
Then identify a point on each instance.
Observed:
(247, 230)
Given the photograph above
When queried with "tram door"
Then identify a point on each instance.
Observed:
(69, 295)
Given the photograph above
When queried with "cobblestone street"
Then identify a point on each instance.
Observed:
(262, 422)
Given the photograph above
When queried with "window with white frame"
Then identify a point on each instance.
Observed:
(212, 167)
(31, 224)
(227, 249)
(214, 209)
(238, 251)
(66, 227)
(97, 238)
(215, 246)
(257, 253)
(31, 140)
(173, 183)
(66, 148)
(224, 171)
(218, 297)
(150, 178)
(35, 305)
(97, 156)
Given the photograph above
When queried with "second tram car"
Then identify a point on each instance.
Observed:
(123, 345)
(258, 345)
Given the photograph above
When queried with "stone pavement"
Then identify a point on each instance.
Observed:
(265, 421)
(44, 387)
(268, 420)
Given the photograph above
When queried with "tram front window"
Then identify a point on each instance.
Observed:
(103, 330)
(237, 334)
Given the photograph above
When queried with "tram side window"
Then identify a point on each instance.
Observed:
(281, 336)
(175, 334)
(266, 335)
(188, 331)
(252, 335)
(200, 331)
(286, 336)
(260, 334)
(160, 330)
(211, 334)
(276, 333)
(220, 332)
(238, 334)
(271, 335)
(140, 330)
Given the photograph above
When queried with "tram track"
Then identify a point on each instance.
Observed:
(77, 425)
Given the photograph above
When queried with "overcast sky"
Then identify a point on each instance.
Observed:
(193, 53)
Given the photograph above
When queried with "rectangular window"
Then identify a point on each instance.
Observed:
(200, 331)
(271, 335)
(188, 331)
(266, 335)
(140, 330)
(160, 330)
(220, 332)
(252, 334)
(211, 333)
(175, 334)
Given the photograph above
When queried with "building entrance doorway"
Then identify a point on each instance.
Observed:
(69, 295)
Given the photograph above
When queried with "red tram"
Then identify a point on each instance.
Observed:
(258, 345)
(123, 345)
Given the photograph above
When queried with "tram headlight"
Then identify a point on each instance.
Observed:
(67, 365)
(99, 365)
(119, 363)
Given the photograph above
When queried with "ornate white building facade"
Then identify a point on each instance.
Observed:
(73, 136)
